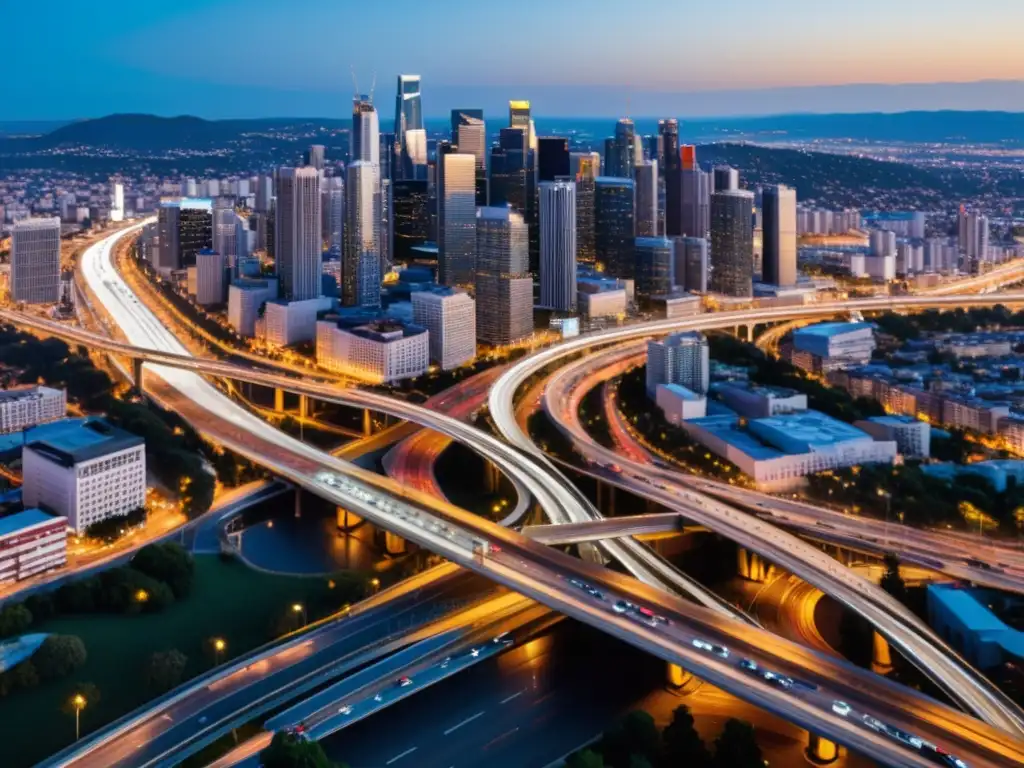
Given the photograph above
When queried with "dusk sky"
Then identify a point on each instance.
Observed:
(252, 58)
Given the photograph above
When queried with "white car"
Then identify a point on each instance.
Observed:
(719, 650)
(841, 708)
(345, 710)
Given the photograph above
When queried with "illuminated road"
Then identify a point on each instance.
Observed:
(545, 575)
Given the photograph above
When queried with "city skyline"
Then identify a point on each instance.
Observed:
(780, 60)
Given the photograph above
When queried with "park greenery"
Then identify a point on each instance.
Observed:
(176, 454)
(287, 750)
(109, 529)
(909, 327)
(634, 741)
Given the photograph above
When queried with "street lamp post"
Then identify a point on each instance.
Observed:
(218, 648)
(300, 609)
(78, 702)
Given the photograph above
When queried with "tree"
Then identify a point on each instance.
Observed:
(165, 670)
(15, 618)
(18, 678)
(892, 582)
(736, 746)
(635, 734)
(585, 758)
(682, 744)
(287, 750)
(80, 596)
(169, 563)
(59, 656)
(41, 605)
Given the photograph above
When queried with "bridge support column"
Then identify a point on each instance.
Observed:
(393, 543)
(367, 423)
(298, 503)
(348, 521)
(492, 477)
(742, 563)
(820, 750)
(137, 375)
(677, 676)
(279, 401)
(304, 407)
(881, 655)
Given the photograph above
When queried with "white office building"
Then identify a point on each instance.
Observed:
(116, 201)
(245, 297)
(449, 315)
(679, 404)
(225, 233)
(378, 352)
(290, 322)
(836, 345)
(297, 230)
(87, 475)
(28, 406)
(681, 358)
(35, 261)
(558, 245)
(913, 437)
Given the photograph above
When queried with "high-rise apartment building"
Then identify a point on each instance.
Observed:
(778, 222)
(297, 227)
(116, 201)
(653, 266)
(695, 197)
(450, 317)
(614, 225)
(35, 261)
(732, 242)
(558, 244)
(973, 238)
(209, 287)
(682, 359)
(504, 288)
(360, 270)
(456, 218)
(646, 176)
(725, 178)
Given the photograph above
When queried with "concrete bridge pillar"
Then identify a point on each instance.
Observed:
(750, 565)
(677, 676)
(393, 543)
(305, 409)
(279, 401)
(605, 499)
(492, 477)
(881, 655)
(820, 750)
(298, 503)
(367, 423)
(137, 375)
(742, 563)
(347, 521)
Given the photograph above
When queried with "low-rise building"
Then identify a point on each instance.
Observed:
(912, 437)
(756, 402)
(967, 624)
(28, 406)
(245, 298)
(779, 451)
(679, 404)
(679, 358)
(449, 315)
(381, 351)
(290, 322)
(671, 306)
(86, 474)
(31, 542)
(836, 345)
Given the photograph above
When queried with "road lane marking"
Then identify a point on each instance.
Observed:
(507, 699)
(464, 722)
(399, 757)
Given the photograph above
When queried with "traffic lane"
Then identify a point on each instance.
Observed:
(221, 697)
(836, 680)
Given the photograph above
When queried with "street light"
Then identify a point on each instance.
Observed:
(78, 702)
(218, 648)
(141, 596)
(375, 583)
(300, 609)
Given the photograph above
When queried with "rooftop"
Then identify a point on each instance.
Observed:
(804, 432)
(19, 520)
(193, 203)
(386, 330)
(90, 439)
(681, 392)
(23, 393)
(977, 617)
(894, 420)
(15, 440)
(616, 181)
(832, 329)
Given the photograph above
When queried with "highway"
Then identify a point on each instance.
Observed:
(545, 575)
(900, 626)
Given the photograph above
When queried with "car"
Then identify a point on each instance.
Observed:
(941, 757)
(379, 697)
(841, 708)
(474, 652)
(495, 548)
(595, 593)
(404, 682)
(776, 679)
(345, 710)
(749, 665)
(505, 638)
(621, 606)
(447, 661)
(203, 720)
(577, 583)
(719, 650)
(615, 468)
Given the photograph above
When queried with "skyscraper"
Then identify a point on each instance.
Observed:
(509, 170)
(614, 228)
(690, 265)
(297, 227)
(224, 233)
(316, 156)
(669, 132)
(519, 117)
(333, 214)
(732, 242)
(264, 193)
(585, 167)
(185, 227)
(360, 267)
(35, 261)
(653, 256)
(683, 359)
(973, 237)
(726, 178)
(778, 222)
(116, 201)
(558, 244)
(646, 176)
(409, 217)
(621, 154)
(456, 218)
(450, 317)
(504, 288)
(695, 217)
(469, 133)
(408, 112)
(365, 137)
(552, 158)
